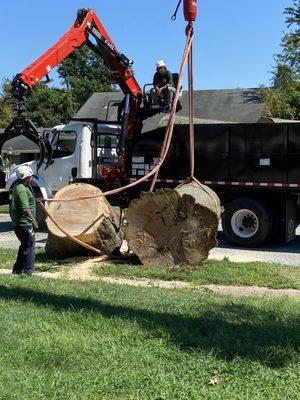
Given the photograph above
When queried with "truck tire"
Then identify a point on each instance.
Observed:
(247, 222)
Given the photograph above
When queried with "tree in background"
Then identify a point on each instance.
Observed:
(284, 100)
(7, 104)
(46, 106)
(50, 106)
(82, 73)
(291, 41)
(6, 113)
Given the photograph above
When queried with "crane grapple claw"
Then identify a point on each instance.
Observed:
(23, 126)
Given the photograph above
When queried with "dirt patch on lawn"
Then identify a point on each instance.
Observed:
(238, 291)
(84, 271)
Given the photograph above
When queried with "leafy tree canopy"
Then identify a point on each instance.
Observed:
(7, 105)
(50, 106)
(6, 114)
(82, 73)
(291, 41)
(284, 100)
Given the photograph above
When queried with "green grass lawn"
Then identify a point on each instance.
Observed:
(4, 209)
(216, 272)
(8, 257)
(92, 341)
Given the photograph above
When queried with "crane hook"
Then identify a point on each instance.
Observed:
(175, 13)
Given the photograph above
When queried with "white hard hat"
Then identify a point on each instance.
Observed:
(160, 63)
(24, 172)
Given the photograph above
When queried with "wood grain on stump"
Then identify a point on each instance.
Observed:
(173, 227)
(93, 221)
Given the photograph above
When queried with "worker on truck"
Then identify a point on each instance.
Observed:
(163, 86)
(23, 214)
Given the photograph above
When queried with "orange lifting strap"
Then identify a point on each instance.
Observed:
(190, 13)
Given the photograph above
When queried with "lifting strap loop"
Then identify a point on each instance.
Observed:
(155, 171)
(187, 57)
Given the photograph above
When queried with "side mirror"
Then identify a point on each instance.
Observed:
(74, 172)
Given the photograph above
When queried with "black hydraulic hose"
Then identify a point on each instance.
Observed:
(125, 120)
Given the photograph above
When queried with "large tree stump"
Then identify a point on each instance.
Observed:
(93, 221)
(173, 227)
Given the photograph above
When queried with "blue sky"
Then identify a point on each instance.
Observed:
(234, 44)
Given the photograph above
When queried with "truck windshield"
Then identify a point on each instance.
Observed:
(63, 143)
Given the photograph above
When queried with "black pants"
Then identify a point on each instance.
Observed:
(26, 254)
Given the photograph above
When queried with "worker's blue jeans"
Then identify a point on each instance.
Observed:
(26, 254)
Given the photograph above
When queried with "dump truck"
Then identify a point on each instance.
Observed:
(254, 168)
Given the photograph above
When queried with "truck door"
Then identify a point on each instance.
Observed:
(107, 146)
(66, 155)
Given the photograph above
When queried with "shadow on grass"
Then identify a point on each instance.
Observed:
(41, 257)
(228, 331)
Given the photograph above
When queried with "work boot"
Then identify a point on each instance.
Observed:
(27, 273)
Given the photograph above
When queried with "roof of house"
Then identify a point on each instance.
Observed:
(230, 105)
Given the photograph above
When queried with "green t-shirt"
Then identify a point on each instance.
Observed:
(22, 197)
(161, 80)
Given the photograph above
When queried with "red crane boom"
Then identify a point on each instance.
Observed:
(86, 24)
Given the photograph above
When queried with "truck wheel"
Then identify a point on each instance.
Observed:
(247, 222)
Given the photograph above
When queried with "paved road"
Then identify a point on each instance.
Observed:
(287, 254)
(8, 239)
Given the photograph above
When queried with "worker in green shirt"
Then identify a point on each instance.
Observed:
(163, 86)
(23, 214)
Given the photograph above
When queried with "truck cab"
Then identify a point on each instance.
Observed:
(74, 156)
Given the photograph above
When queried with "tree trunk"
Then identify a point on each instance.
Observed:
(173, 227)
(93, 221)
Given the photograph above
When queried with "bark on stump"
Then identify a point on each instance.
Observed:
(93, 221)
(173, 227)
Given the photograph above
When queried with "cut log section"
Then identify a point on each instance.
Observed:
(173, 227)
(93, 221)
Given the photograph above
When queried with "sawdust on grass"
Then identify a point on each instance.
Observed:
(84, 271)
